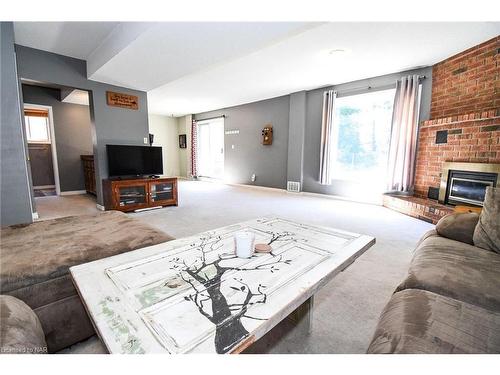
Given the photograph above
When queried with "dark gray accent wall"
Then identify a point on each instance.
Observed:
(42, 171)
(312, 139)
(110, 124)
(269, 163)
(15, 206)
(73, 133)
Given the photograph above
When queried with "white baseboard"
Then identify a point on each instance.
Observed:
(148, 209)
(44, 187)
(74, 192)
(256, 187)
(317, 195)
(100, 207)
(340, 198)
(215, 181)
(35, 216)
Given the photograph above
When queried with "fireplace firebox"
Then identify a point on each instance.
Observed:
(466, 183)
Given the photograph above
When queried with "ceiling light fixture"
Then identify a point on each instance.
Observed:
(337, 51)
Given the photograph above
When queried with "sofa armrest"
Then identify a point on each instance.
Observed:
(20, 329)
(458, 226)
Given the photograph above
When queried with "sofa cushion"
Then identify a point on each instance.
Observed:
(64, 322)
(45, 250)
(458, 226)
(487, 232)
(417, 321)
(20, 329)
(457, 270)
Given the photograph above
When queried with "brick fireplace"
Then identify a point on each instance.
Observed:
(464, 124)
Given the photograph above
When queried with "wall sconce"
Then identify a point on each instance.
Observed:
(267, 135)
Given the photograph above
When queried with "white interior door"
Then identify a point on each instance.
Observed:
(211, 148)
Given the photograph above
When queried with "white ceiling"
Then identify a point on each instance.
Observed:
(196, 67)
(74, 39)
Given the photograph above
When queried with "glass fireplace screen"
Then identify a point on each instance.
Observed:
(468, 187)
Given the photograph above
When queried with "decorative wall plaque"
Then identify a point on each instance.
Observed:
(116, 99)
(267, 135)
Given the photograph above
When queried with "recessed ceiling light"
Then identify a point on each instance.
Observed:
(337, 51)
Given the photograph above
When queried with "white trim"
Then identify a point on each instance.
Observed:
(31, 194)
(100, 207)
(341, 198)
(44, 187)
(306, 193)
(258, 187)
(73, 192)
(35, 216)
(217, 181)
(52, 141)
(148, 208)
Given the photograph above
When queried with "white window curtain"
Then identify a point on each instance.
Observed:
(327, 128)
(402, 149)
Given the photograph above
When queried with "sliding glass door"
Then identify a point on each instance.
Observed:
(211, 148)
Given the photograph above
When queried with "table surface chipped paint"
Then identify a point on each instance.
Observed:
(194, 295)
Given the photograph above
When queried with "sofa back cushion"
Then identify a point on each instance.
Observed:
(456, 270)
(458, 226)
(487, 232)
(20, 329)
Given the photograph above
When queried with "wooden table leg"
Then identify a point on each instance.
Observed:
(302, 317)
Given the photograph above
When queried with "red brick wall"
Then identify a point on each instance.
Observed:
(467, 82)
(471, 138)
(465, 103)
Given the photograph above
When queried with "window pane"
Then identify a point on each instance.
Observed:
(361, 142)
(38, 129)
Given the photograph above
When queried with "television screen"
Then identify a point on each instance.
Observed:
(134, 160)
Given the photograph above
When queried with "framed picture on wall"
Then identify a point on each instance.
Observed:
(182, 141)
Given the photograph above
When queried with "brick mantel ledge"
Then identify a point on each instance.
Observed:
(476, 116)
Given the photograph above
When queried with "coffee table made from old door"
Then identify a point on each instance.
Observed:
(193, 295)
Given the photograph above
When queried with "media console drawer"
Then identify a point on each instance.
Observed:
(133, 194)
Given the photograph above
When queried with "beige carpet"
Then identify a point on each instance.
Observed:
(347, 309)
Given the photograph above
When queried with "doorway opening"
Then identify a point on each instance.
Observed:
(58, 131)
(39, 124)
(211, 148)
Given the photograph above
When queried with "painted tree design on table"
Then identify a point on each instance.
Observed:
(205, 277)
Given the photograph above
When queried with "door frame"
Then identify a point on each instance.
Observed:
(207, 122)
(52, 141)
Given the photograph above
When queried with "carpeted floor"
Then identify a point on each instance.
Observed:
(346, 310)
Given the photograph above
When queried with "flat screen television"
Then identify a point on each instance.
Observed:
(134, 160)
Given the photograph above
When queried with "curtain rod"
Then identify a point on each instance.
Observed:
(372, 87)
(210, 118)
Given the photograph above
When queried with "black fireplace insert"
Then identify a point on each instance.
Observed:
(466, 187)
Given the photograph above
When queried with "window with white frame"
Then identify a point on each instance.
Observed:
(362, 137)
(37, 127)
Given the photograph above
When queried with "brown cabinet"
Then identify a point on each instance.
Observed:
(130, 195)
(89, 173)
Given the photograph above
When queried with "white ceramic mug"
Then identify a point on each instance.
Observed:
(243, 244)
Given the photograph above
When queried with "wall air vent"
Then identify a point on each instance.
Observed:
(293, 186)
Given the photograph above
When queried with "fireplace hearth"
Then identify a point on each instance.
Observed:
(465, 183)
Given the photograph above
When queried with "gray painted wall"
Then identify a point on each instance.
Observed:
(312, 137)
(15, 198)
(297, 125)
(296, 119)
(249, 156)
(110, 124)
(73, 133)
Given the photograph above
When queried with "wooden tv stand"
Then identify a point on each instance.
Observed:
(138, 193)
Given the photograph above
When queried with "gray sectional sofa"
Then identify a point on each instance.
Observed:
(35, 260)
(450, 299)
